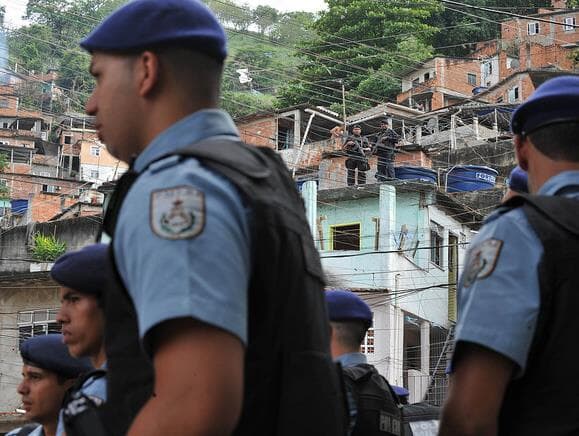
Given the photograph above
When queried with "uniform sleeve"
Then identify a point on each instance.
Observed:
(182, 247)
(499, 294)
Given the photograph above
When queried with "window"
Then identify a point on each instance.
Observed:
(95, 150)
(436, 243)
(487, 69)
(37, 322)
(49, 189)
(514, 94)
(345, 237)
(426, 76)
(533, 28)
(4, 125)
(500, 99)
(416, 82)
(4, 103)
(94, 174)
(471, 78)
(68, 139)
(569, 24)
(368, 344)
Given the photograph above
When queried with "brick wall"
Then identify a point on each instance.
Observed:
(261, 132)
(45, 205)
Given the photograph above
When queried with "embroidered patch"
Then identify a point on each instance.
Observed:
(482, 261)
(177, 213)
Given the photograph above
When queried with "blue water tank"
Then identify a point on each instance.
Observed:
(416, 173)
(19, 206)
(470, 178)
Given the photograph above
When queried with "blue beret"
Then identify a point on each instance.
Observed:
(347, 306)
(49, 352)
(518, 180)
(555, 101)
(145, 24)
(400, 391)
(86, 270)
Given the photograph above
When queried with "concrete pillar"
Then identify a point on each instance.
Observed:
(419, 134)
(387, 217)
(310, 196)
(475, 127)
(425, 347)
(394, 373)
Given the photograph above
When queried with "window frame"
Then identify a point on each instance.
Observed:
(569, 26)
(535, 26)
(471, 79)
(333, 229)
(95, 150)
(37, 328)
(436, 255)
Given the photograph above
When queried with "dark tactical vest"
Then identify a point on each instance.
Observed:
(291, 384)
(545, 400)
(377, 408)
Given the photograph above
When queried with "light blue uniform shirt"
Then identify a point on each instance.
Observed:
(351, 359)
(94, 388)
(498, 307)
(38, 431)
(202, 272)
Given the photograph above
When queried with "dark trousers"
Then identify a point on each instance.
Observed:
(352, 165)
(385, 169)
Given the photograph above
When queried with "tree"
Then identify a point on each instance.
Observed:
(51, 41)
(294, 27)
(357, 43)
(264, 17)
(462, 27)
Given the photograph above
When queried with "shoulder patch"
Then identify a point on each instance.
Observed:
(482, 261)
(177, 213)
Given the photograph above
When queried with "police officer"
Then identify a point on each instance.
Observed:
(357, 148)
(385, 150)
(82, 276)
(515, 352)
(517, 183)
(214, 257)
(48, 371)
(373, 403)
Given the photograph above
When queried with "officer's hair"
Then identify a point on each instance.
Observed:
(350, 334)
(558, 141)
(60, 379)
(198, 75)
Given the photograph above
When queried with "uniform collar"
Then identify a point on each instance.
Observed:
(351, 359)
(193, 128)
(560, 181)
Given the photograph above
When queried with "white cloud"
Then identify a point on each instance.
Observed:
(15, 9)
(288, 5)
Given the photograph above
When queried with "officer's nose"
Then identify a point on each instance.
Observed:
(22, 388)
(61, 316)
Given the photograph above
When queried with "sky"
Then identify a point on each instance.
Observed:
(15, 8)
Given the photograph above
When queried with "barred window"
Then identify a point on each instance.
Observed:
(368, 344)
(37, 322)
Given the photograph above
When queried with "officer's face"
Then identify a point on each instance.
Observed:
(357, 132)
(42, 394)
(114, 104)
(82, 322)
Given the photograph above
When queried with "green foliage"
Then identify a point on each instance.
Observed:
(359, 44)
(50, 42)
(239, 104)
(264, 17)
(463, 27)
(47, 248)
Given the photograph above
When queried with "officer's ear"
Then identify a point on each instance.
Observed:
(147, 73)
(521, 151)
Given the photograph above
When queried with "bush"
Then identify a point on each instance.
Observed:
(47, 248)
